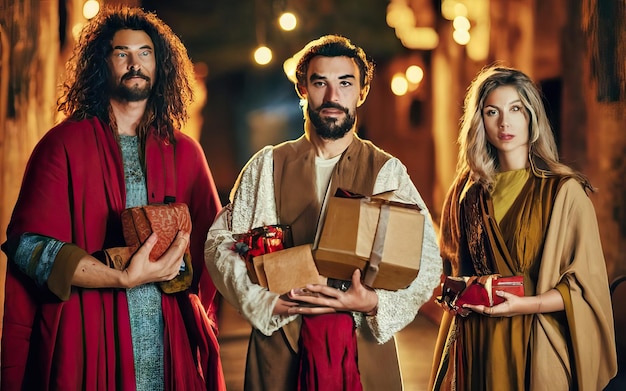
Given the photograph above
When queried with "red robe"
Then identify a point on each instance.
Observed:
(74, 191)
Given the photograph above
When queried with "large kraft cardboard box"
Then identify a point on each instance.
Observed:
(382, 238)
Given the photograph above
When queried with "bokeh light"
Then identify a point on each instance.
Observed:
(462, 37)
(287, 21)
(91, 9)
(263, 55)
(414, 74)
(399, 84)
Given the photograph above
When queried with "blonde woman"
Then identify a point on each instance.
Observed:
(514, 209)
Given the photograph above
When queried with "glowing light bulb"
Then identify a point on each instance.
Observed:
(263, 55)
(399, 84)
(287, 21)
(461, 23)
(91, 9)
(414, 74)
(462, 37)
(76, 29)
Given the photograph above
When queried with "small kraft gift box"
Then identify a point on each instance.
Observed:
(272, 260)
(383, 238)
(289, 268)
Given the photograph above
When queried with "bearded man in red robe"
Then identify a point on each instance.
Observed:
(72, 322)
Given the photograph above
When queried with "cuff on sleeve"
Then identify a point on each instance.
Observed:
(65, 264)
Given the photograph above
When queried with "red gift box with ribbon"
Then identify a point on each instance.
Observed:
(261, 240)
(457, 291)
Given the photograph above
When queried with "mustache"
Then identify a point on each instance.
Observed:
(332, 105)
(135, 73)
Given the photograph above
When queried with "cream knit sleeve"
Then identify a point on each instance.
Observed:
(396, 309)
(252, 205)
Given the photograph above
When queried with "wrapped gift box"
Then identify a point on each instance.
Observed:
(457, 291)
(259, 241)
(290, 268)
(382, 238)
(166, 220)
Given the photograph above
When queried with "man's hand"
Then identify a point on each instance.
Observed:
(142, 271)
(321, 299)
(283, 305)
(91, 273)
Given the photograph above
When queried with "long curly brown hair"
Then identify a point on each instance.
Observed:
(85, 92)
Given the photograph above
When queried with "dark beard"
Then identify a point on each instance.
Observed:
(328, 128)
(132, 94)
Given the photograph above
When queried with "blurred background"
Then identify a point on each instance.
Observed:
(426, 51)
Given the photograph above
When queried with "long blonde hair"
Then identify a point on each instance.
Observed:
(479, 157)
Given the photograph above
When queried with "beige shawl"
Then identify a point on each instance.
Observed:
(573, 255)
(572, 261)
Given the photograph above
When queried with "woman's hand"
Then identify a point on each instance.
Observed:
(550, 301)
(505, 309)
(321, 299)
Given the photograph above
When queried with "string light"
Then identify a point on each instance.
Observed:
(399, 84)
(414, 74)
(263, 55)
(91, 9)
(287, 21)
(462, 37)
(461, 34)
(76, 29)
(461, 23)
(452, 8)
(401, 17)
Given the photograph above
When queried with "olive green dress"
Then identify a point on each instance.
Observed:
(512, 230)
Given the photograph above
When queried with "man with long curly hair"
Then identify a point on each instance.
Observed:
(72, 322)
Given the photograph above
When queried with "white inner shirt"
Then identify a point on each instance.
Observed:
(323, 173)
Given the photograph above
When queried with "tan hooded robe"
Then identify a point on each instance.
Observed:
(550, 236)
